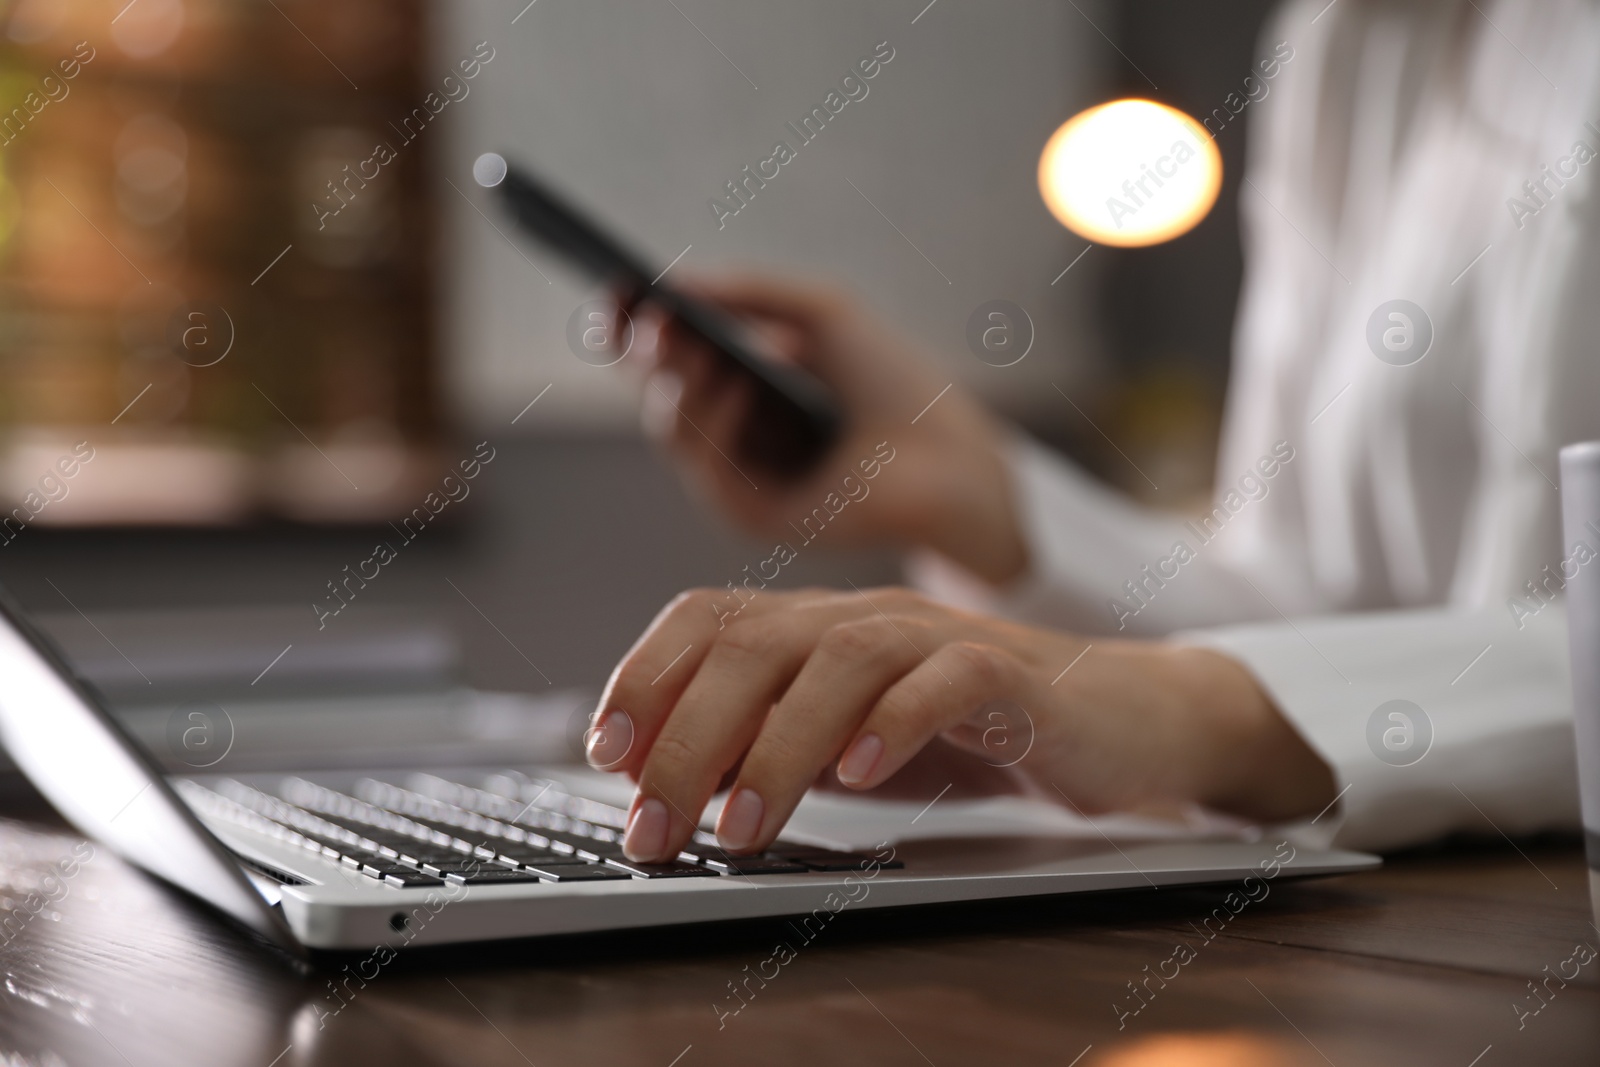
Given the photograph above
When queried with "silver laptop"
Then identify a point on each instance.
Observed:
(439, 855)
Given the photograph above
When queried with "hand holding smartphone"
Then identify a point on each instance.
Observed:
(793, 422)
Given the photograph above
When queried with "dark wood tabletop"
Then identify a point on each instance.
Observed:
(1471, 955)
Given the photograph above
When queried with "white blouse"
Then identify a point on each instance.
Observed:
(1385, 522)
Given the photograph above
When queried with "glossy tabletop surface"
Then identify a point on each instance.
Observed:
(1473, 956)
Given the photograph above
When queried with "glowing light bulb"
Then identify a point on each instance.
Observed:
(1130, 173)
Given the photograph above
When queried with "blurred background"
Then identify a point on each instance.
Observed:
(276, 338)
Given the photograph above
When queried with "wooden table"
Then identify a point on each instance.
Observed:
(1426, 961)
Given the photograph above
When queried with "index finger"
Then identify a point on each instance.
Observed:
(650, 678)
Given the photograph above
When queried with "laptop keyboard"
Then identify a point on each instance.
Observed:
(514, 829)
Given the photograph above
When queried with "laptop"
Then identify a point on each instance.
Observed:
(365, 859)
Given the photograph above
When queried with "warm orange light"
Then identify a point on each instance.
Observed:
(1130, 173)
(1226, 1049)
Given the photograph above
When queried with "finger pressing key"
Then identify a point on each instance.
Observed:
(852, 665)
(649, 680)
(750, 664)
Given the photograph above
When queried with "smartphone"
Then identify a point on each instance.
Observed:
(794, 420)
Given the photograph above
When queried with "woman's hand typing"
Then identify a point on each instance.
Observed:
(797, 683)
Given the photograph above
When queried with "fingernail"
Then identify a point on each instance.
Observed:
(646, 838)
(609, 739)
(741, 820)
(860, 759)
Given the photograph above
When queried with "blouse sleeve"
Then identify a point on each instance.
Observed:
(1432, 721)
(1099, 563)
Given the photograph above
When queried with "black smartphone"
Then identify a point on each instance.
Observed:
(794, 421)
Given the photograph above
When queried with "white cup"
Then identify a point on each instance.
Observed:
(1580, 521)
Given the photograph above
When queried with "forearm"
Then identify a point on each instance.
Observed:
(1174, 726)
(1250, 760)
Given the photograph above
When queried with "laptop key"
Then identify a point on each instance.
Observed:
(587, 847)
(437, 855)
(410, 879)
(754, 865)
(716, 857)
(377, 868)
(661, 870)
(536, 857)
(822, 863)
(578, 872)
(720, 859)
(398, 876)
(599, 853)
(446, 867)
(497, 876)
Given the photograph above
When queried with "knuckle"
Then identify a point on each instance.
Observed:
(862, 639)
(690, 600)
(985, 665)
(750, 639)
(671, 760)
(699, 594)
(773, 758)
(899, 710)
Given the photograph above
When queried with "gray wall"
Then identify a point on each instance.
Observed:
(624, 104)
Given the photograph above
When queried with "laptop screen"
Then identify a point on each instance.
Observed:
(93, 772)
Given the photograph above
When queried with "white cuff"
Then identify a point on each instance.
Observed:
(1432, 721)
